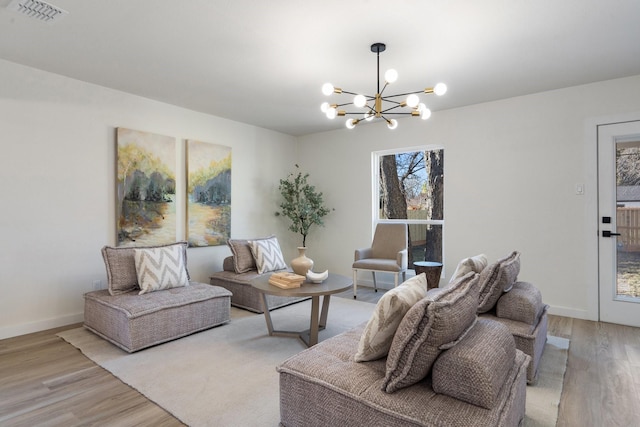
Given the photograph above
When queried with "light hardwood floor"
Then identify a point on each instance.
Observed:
(45, 381)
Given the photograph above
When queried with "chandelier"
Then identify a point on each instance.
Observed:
(379, 106)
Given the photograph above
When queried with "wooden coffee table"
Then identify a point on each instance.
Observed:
(334, 284)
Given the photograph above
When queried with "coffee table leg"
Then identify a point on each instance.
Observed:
(267, 315)
(313, 329)
(325, 311)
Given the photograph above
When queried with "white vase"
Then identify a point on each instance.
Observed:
(301, 264)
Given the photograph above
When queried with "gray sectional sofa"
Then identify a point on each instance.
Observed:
(445, 367)
(517, 305)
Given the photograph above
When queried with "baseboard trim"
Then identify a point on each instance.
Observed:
(41, 325)
(571, 312)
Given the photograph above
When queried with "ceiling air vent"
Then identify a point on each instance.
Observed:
(38, 9)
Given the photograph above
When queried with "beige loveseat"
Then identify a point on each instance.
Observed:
(134, 321)
(445, 367)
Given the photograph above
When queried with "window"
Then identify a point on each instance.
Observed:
(408, 187)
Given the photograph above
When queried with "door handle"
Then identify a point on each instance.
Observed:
(606, 233)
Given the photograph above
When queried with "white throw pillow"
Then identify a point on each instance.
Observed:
(267, 254)
(160, 268)
(473, 264)
(377, 336)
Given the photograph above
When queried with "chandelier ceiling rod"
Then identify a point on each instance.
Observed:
(417, 109)
(377, 48)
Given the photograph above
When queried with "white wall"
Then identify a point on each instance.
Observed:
(511, 168)
(57, 169)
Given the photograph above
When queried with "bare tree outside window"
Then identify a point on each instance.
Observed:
(411, 190)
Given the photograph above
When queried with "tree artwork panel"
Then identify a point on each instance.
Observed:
(208, 194)
(146, 188)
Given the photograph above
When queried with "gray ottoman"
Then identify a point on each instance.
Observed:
(133, 322)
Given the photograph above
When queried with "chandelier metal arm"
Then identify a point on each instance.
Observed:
(409, 93)
(383, 88)
(393, 108)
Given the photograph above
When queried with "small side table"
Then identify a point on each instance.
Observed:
(431, 269)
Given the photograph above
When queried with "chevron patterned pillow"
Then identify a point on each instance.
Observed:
(160, 268)
(267, 254)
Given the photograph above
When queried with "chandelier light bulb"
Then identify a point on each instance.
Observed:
(331, 113)
(327, 89)
(324, 107)
(392, 124)
(440, 89)
(368, 116)
(425, 113)
(391, 75)
(350, 123)
(413, 100)
(359, 101)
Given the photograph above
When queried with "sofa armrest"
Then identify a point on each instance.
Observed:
(522, 303)
(477, 367)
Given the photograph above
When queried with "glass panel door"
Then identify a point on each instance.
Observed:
(619, 222)
(628, 220)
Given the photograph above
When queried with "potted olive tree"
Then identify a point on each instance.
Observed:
(304, 207)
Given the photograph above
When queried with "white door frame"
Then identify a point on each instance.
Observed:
(611, 309)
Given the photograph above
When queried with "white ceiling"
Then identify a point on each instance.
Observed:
(263, 62)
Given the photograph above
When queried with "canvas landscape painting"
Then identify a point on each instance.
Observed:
(208, 194)
(146, 188)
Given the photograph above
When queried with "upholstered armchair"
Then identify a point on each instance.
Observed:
(388, 254)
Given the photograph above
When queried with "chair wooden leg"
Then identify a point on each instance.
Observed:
(395, 280)
(375, 286)
(355, 283)
(404, 276)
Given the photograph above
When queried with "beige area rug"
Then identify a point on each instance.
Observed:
(226, 376)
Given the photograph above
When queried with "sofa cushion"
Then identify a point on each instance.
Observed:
(432, 324)
(472, 264)
(160, 268)
(121, 266)
(391, 308)
(496, 279)
(522, 303)
(267, 254)
(243, 259)
(474, 370)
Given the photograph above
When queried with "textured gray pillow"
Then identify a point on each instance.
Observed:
(227, 264)
(121, 266)
(472, 264)
(474, 371)
(243, 259)
(496, 279)
(523, 303)
(434, 323)
(391, 308)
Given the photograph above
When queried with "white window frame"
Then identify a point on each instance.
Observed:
(375, 192)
